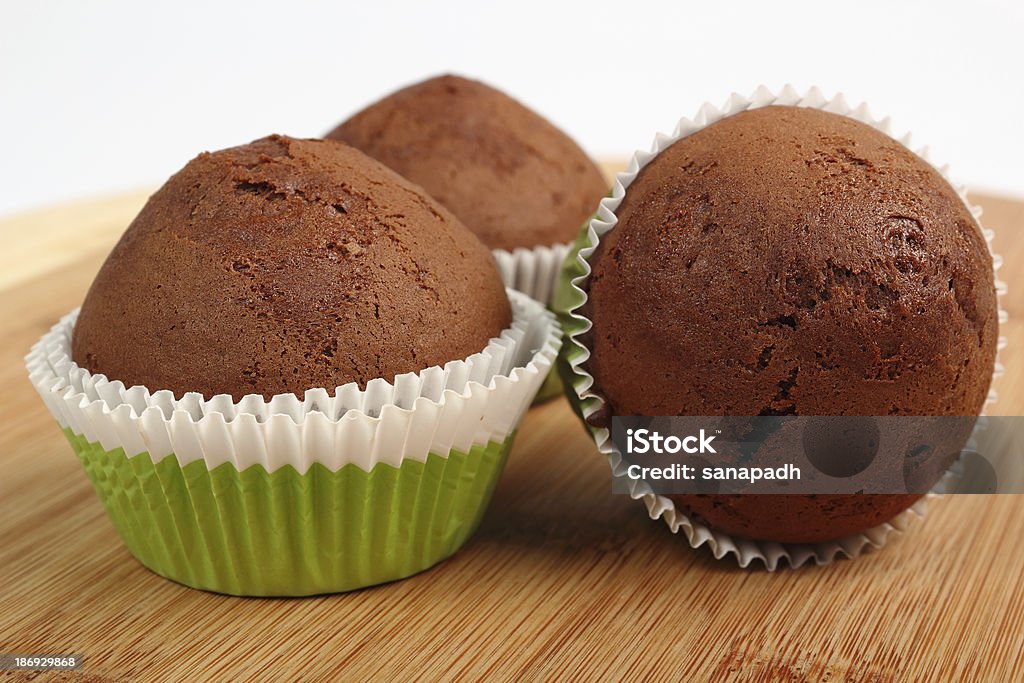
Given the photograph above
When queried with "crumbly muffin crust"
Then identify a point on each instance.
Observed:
(788, 261)
(284, 265)
(507, 173)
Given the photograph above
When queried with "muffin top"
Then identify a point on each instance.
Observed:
(506, 172)
(790, 261)
(284, 265)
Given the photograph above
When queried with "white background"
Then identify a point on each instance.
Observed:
(98, 97)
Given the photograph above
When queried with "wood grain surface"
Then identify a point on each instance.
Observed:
(563, 581)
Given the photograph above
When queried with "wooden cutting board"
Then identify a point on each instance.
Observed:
(563, 580)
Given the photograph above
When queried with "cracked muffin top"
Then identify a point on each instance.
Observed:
(510, 175)
(285, 265)
(789, 261)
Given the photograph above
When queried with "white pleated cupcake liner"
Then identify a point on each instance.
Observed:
(745, 551)
(465, 403)
(533, 272)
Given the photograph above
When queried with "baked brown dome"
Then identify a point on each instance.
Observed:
(789, 261)
(506, 172)
(284, 265)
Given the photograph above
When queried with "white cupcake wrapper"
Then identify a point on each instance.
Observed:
(465, 403)
(533, 272)
(745, 551)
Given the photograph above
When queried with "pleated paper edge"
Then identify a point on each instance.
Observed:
(533, 272)
(437, 410)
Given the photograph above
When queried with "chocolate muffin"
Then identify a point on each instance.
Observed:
(284, 265)
(510, 175)
(789, 261)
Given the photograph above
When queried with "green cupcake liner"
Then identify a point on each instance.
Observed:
(566, 300)
(282, 533)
